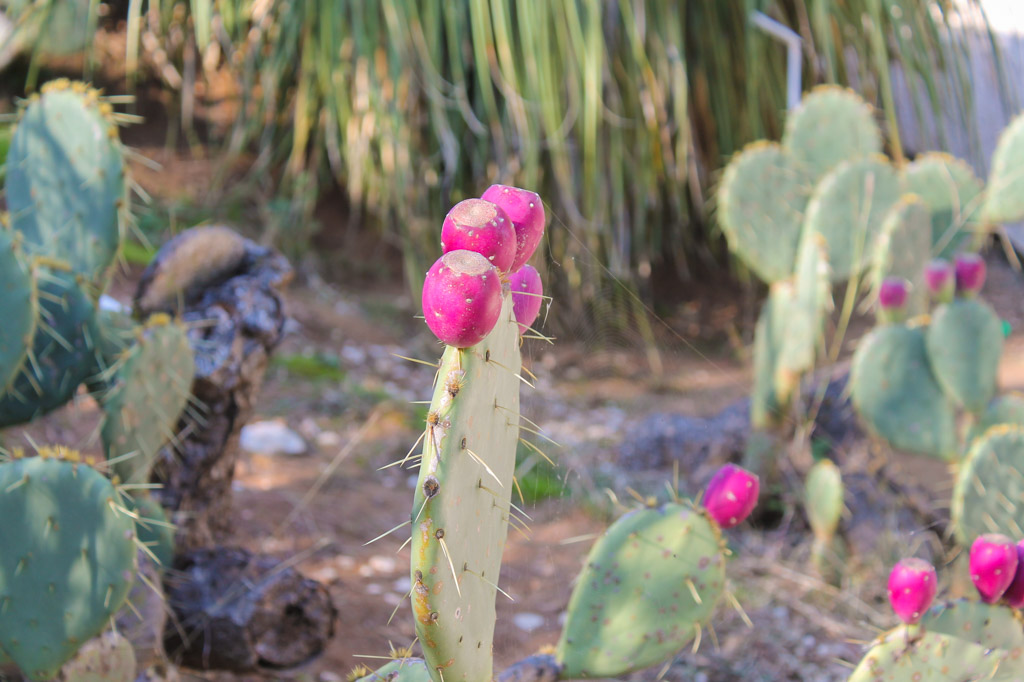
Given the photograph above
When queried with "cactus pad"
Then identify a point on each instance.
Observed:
(960, 640)
(823, 498)
(951, 190)
(767, 405)
(399, 670)
(988, 496)
(67, 563)
(1005, 409)
(149, 391)
(153, 528)
(65, 179)
(896, 394)
(462, 504)
(1004, 196)
(20, 308)
(107, 658)
(805, 320)
(831, 125)
(648, 586)
(965, 343)
(848, 208)
(63, 350)
(903, 250)
(761, 204)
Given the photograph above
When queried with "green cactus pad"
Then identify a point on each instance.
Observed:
(400, 670)
(67, 563)
(648, 587)
(823, 498)
(20, 308)
(107, 658)
(848, 209)
(903, 250)
(153, 528)
(150, 389)
(952, 192)
(896, 394)
(965, 343)
(1004, 196)
(761, 204)
(63, 350)
(831, 125)
(988, 496)
(65, 179)
(116, 332)
(805, 320)
(767, 405)
(961, 640)
(1005, 409)
(461, 507)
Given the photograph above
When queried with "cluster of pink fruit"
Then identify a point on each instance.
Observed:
(997, 571)
(485, 245)
(965, 277)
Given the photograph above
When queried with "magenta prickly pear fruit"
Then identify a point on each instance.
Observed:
(912, 586)
(892, 295)
(731, 495)
(527, 213)
(478, 225)
(462, 298)
(940, 279)
(993, 565)
(970, 274)
(527, 292)
(1014, 595)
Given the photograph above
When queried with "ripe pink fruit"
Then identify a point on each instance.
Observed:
(939, 277)
(970, 273)
(478, 225)
(462, 298)
(1014, 595)
(993, 565)
(912, 585)
(892, 295)
(527, 213)
(731, 495)
(527, 290)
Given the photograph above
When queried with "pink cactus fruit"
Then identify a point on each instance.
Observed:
(993, 565)
(970, 273)
(462, 298)
(478, 225)
(892, 295)
(527, 293)
(731, 495)
(1014, 595)
(527, 213)
(940, 279)
(912, 586)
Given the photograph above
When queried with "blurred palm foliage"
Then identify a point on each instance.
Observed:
(619, 112)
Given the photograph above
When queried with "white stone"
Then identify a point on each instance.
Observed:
(528, 622)
(271, 437)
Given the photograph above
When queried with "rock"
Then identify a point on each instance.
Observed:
(271, 438)
(242, 612)
(528, 622)
(692, 441)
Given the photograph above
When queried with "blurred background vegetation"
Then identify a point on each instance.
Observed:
(619, 112)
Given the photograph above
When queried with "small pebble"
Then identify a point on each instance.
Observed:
(528, 622)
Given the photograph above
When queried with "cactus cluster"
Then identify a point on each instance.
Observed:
(82, 522)
(650, 583)
(955, 640)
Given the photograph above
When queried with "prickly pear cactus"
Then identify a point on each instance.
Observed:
(767, 405)
(965, 343)
(988, 496)
(848, 208)
(462, 503)
(896, 394)
(154, 530)
(903, 250)
(67, 563)
(107, 658)
(20, 308)
(761, 204)
(399, 670)
(150, 387)
(63, 350)
(648, 587)
(831, 125)
(805, 320)
(960, 640)
(824, 502)
(1005, 409)
(65, 179)
(952, 192)
(1004, 195)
